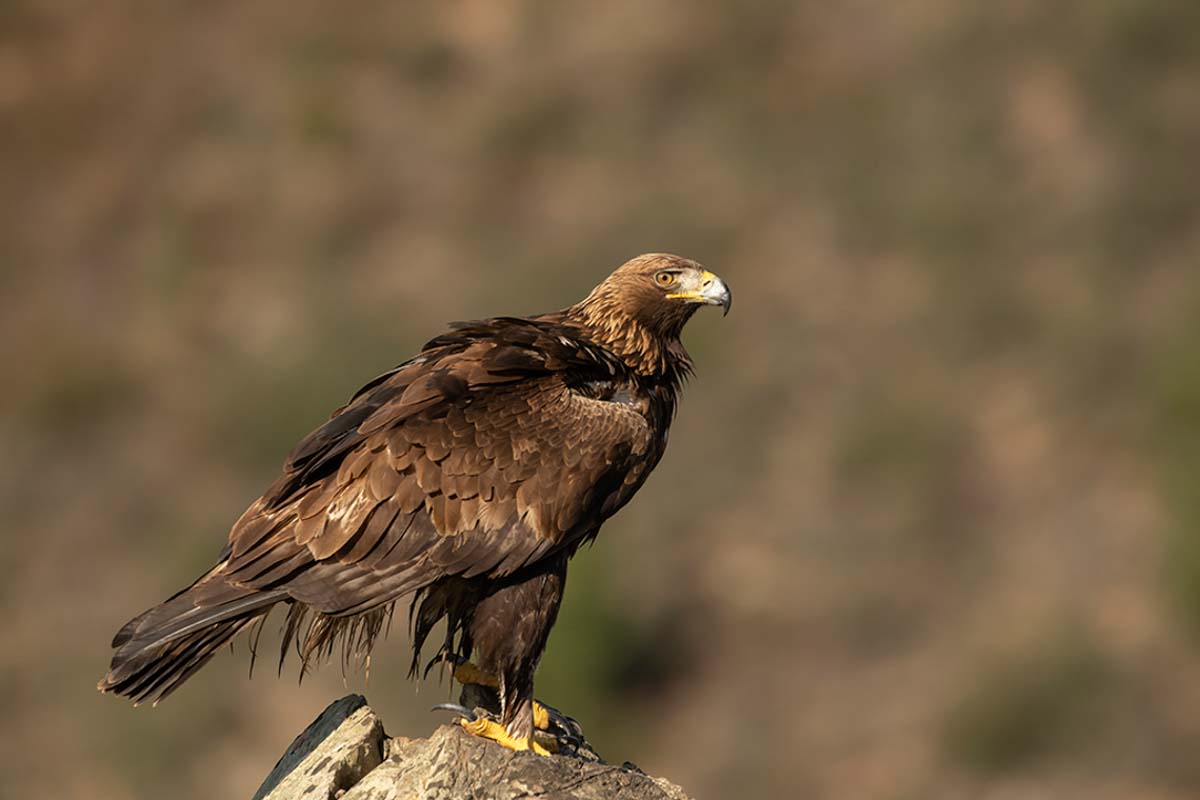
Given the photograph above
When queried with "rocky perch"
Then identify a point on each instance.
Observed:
(345, 754)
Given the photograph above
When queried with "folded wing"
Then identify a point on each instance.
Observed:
(477, 458)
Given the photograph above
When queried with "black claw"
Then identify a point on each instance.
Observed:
(469, 714)
(565, 729)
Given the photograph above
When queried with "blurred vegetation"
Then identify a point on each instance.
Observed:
(928, 524)
(1033, 705)
(1178, 437)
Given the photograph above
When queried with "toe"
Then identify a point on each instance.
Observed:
(558, 724)
(468, 674)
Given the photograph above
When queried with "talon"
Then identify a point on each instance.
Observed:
(558, 727)
(488, 729)
(468, 714)
(557, 724)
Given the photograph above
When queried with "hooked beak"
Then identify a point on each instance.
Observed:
(710, 291)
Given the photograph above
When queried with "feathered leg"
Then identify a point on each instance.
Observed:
(509, 630)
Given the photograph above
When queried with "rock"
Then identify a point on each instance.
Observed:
(332, 754)
(339, 752)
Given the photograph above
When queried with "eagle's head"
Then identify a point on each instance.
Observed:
(642, 306)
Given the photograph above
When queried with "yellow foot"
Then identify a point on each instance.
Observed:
(471, 675)
(488, 729)
(541, 717)
(468, 674)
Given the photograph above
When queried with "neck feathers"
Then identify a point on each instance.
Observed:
(649, 352)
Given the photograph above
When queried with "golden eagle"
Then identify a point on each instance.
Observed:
(466, 477)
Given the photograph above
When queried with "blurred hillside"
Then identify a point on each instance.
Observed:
(928, 525)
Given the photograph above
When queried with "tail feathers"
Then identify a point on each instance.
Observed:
(160, 649)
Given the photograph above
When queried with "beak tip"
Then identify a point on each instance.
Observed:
(721, 295)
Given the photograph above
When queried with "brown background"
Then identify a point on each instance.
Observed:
(927, 527)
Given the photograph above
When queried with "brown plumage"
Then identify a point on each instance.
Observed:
(465, 478)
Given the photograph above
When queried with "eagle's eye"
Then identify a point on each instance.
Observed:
(666, 278)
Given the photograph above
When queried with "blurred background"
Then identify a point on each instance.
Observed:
(928, 524)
